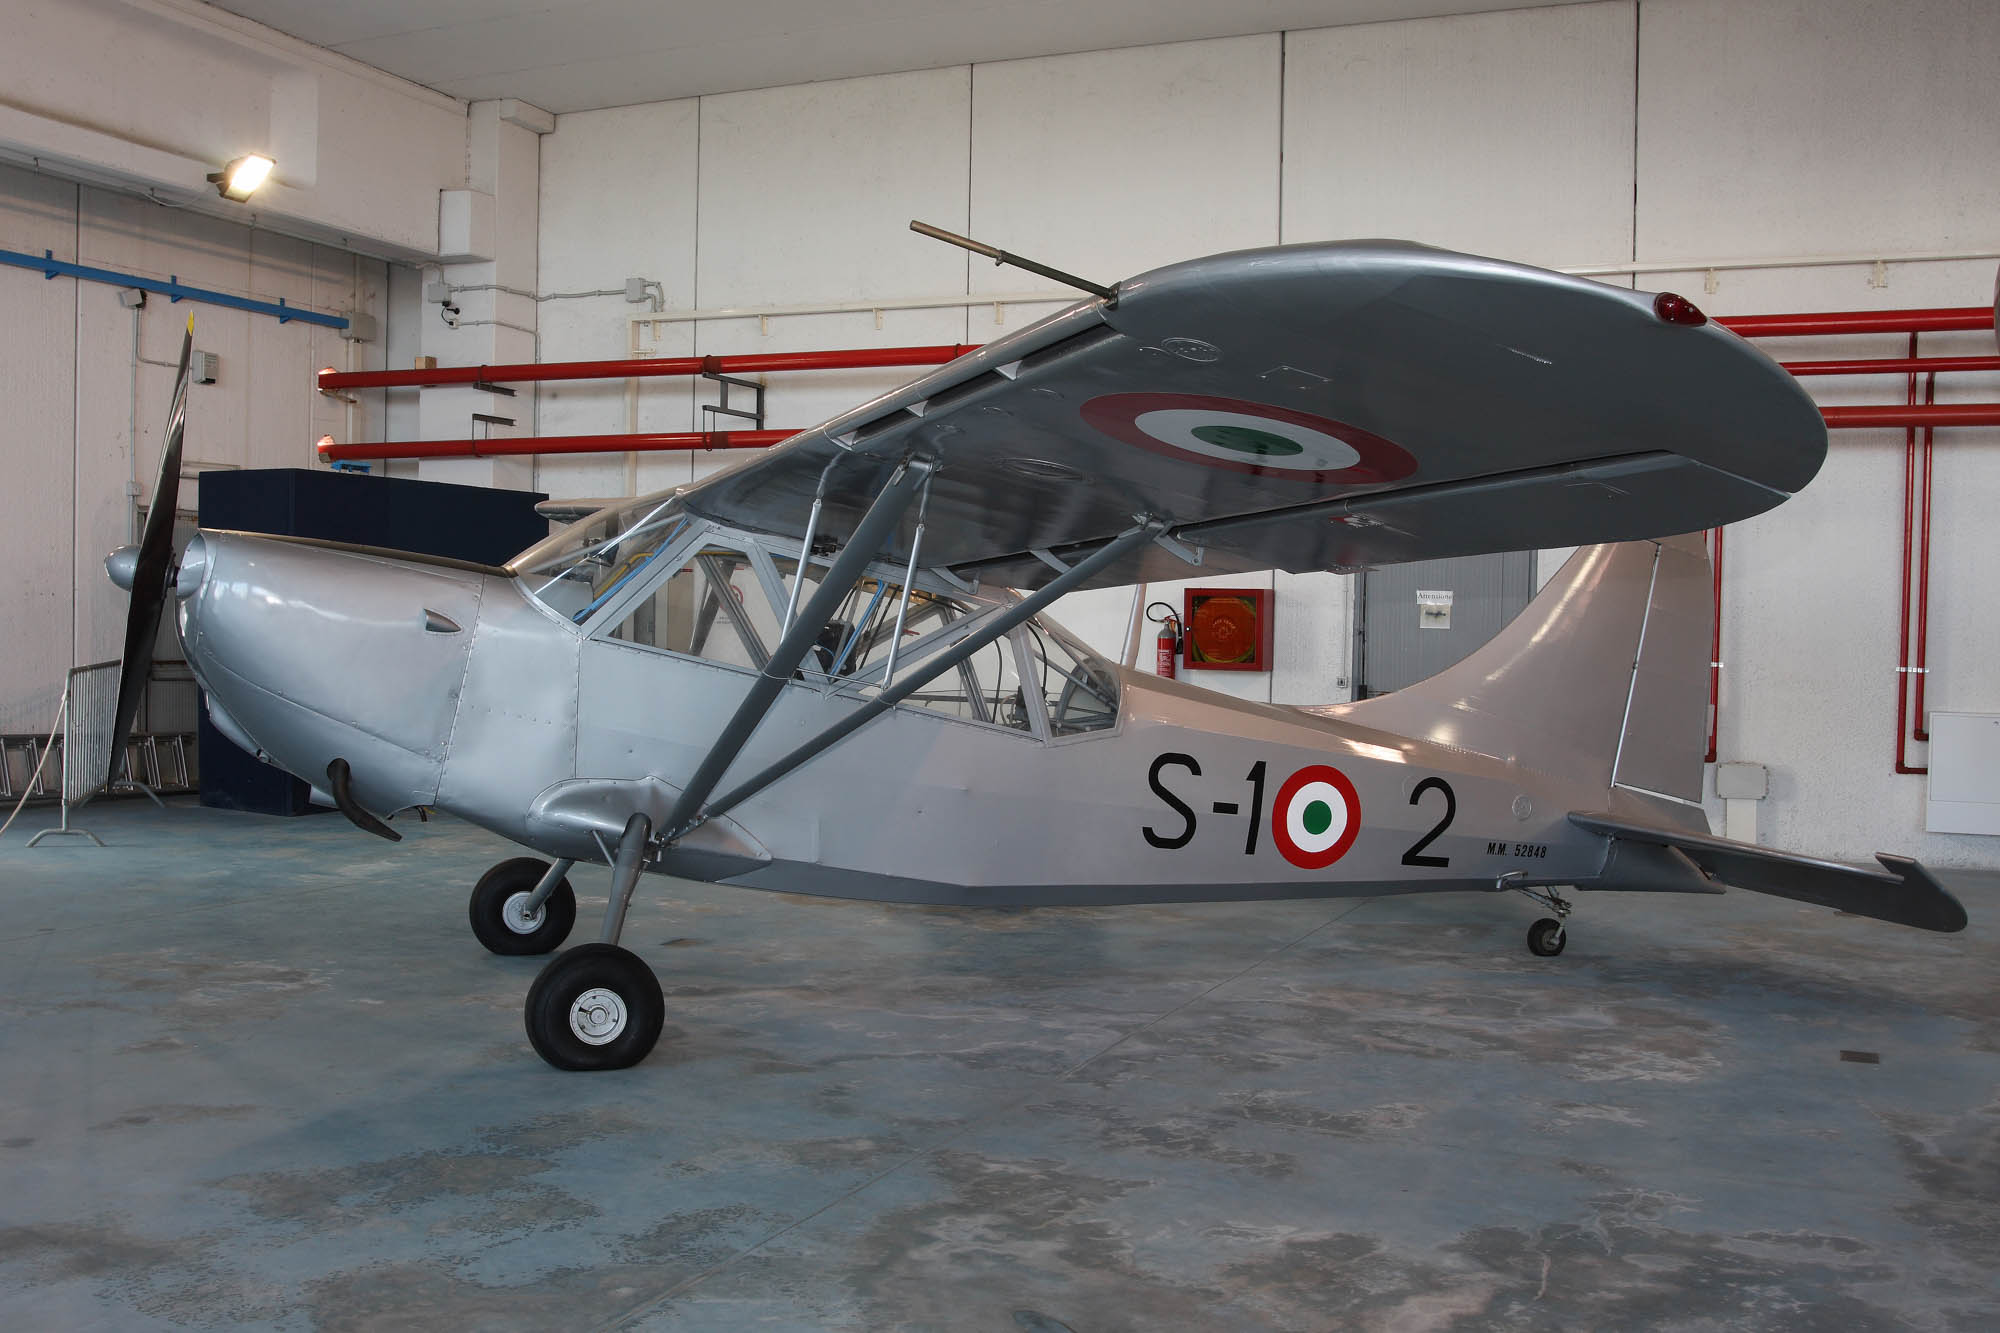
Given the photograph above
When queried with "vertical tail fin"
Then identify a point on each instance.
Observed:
(1604, 677)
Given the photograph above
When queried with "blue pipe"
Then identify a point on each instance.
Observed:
(173, 289)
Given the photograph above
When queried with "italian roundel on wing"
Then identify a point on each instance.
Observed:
(1316, 817)
(1256, 438)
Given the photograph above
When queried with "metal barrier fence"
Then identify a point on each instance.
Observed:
(81, 742)
(93, 709)
(90, 705)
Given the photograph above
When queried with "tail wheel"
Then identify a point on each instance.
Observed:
(499, 909)
(1546, 938)
(596, 1007)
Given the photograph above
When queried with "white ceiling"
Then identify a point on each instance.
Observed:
(577, 55)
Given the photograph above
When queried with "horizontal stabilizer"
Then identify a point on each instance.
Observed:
(1906, 894)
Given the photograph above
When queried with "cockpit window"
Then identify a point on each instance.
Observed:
(1081, 691)
(579, 569)
(667, 580)
(984, 688)
(710, 607)
(856, 637)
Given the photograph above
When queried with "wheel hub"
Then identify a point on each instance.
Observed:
(520, 918)
(597, 1016)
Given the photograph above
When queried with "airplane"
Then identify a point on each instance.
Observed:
(830, 671)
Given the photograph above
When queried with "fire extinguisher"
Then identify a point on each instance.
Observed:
(1169, 647)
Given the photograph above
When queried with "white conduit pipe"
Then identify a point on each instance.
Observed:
(999, 299)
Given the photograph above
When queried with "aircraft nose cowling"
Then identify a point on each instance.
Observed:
(193, 569)
(318, 652)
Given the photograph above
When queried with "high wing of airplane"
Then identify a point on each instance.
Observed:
(829, 671)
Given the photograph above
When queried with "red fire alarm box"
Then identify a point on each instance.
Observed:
(1228, 629)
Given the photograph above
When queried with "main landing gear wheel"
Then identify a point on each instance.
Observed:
(595, 1007)
(1546, 938)
(502, 919)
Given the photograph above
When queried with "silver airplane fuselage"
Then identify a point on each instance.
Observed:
(454, 686)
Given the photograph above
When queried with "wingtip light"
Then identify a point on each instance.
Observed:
(1676, 309)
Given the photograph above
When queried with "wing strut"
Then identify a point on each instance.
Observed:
(909, 582)
(1149, 529)
(806, 547)
(799, 637)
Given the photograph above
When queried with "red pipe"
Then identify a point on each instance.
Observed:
(664, 442)
(1749, 326)
(1892, 365)
(858, 358)
(1860, 321)
(1897, 414)
(1903, 604)
(1922, 729)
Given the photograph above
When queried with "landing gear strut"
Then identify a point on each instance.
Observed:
(599, 1006)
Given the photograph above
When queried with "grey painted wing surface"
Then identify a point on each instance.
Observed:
(1908, 894)
(1314, 407)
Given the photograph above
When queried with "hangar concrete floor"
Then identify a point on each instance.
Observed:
(258, 1074)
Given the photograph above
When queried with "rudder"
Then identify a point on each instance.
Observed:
(1603, 677)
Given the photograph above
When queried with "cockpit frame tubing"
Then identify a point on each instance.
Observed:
(994, 627)
(841, 576)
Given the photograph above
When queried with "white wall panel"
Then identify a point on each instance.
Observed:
(1115, 162)
(1788, 127)
(618, 201)
(1314, 649)
(807, 192)
(78, 396)
(1504, 134)
(37, 440)
(101, 460)
(806, 196)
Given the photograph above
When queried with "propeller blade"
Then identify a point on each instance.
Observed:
(151, 570)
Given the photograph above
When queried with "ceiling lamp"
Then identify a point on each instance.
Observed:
(240, 179)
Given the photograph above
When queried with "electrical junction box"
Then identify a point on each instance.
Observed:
(1964, 794)
(1742, 782)
(360, 327)
(203, 367)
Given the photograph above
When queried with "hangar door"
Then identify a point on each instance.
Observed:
(1417, 619)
